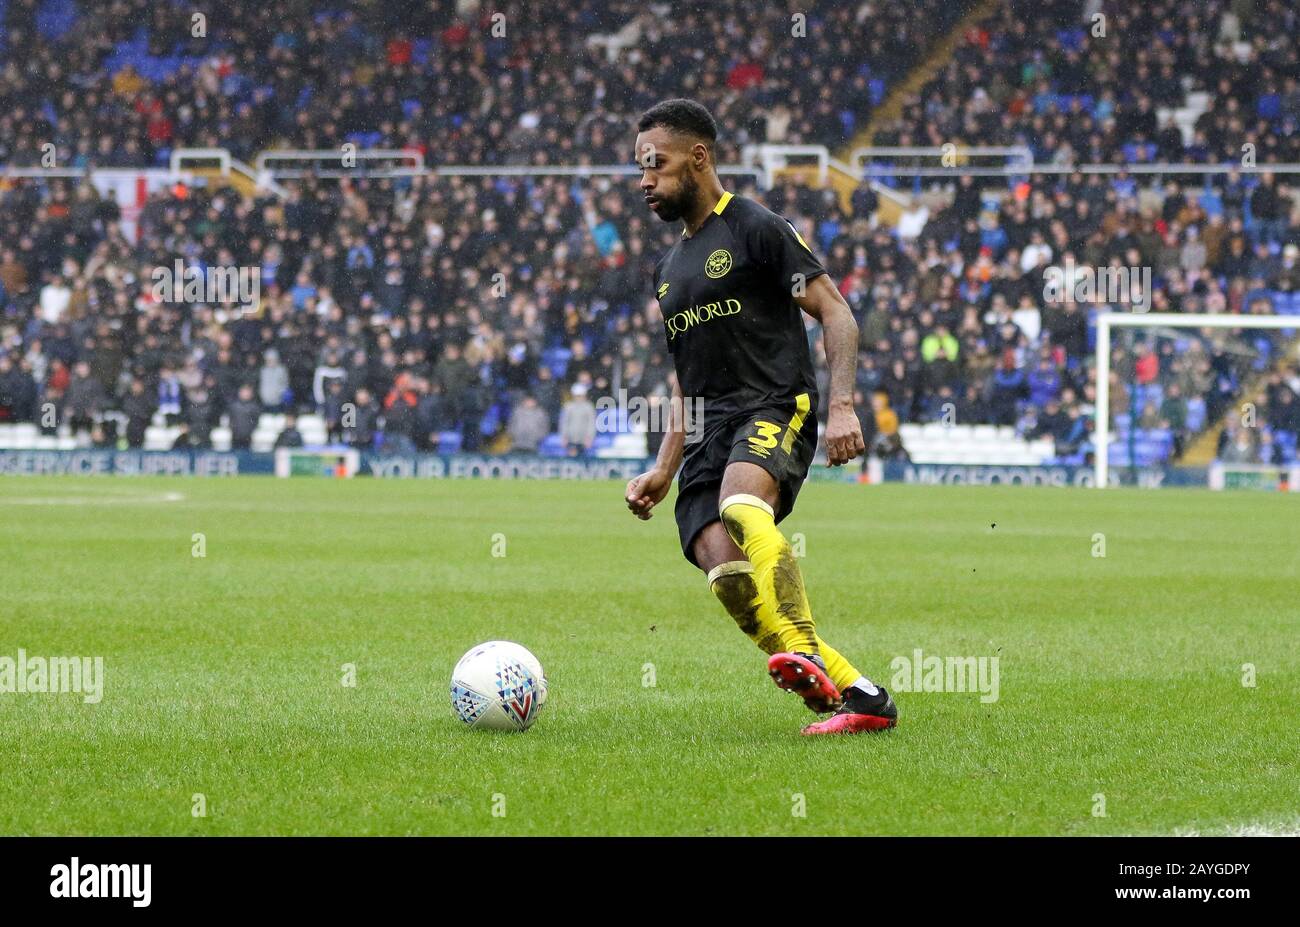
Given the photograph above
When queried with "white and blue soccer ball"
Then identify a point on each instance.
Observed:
(498, 686)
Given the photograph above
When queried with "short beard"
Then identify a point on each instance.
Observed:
(674, 208)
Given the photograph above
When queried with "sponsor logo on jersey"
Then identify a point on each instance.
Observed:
(697, 315)
(662, 290)
(718, 263)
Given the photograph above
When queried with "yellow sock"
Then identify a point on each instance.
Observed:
(841, 671)
(733, 584)
(750, 522)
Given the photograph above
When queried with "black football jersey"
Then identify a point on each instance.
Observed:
(727, 297)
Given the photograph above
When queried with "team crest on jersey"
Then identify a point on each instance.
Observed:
(719, 263)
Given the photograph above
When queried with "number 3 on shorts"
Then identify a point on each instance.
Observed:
(763, 439)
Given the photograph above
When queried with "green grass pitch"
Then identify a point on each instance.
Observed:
(1120, 676)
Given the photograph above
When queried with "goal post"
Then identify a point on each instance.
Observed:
(1108, 320)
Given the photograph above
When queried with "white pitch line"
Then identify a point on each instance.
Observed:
(149, 499)
(1277, 829)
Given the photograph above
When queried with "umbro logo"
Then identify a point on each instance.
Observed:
(662, 290)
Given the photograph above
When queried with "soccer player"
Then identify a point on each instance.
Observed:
(730, 291)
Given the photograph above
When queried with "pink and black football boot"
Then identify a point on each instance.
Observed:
(805, 675)
(860, 713)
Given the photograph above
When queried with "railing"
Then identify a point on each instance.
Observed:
(226, 165)
(44, 171)
(772, 158)
(325, 157)
(584, 170)
(759, 161)
(1018, 160)
(1020, 163)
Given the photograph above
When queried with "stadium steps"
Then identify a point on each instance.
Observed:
(841, 181)
(892, 107)
(1202, 451)
(845, 182)
(243, 185)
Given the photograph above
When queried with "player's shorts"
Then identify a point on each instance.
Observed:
(780, 439)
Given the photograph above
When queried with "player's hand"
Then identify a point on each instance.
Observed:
(843, 435)
(647, 491)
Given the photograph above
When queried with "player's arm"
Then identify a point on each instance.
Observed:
(840, 331)
(648, 489)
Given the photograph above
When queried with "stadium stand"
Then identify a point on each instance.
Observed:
(438, 304)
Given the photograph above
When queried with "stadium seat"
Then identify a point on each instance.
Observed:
(625, 445)
(558, 360)
(313, 429)
(24, 435)
(449, 442)
(160, 439)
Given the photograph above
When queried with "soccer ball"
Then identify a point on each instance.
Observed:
(498, 686)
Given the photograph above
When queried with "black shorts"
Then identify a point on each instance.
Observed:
(780, 439)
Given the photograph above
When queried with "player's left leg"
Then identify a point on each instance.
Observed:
(748, 503)
(749, 500)
(733, 579)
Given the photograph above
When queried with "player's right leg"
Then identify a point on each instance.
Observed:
(731, 579)
(804, 663)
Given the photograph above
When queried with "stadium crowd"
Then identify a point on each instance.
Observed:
(488, 313)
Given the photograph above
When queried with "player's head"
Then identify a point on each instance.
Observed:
(674, 149)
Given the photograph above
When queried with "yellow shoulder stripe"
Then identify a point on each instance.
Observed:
(722, 203)
(799, 237)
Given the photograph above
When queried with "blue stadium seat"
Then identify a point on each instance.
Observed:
(491, 420)
(1151, 392)
(449, 442)
(1286, 442)
(55, 17)
(552, 446)
(558, 360)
